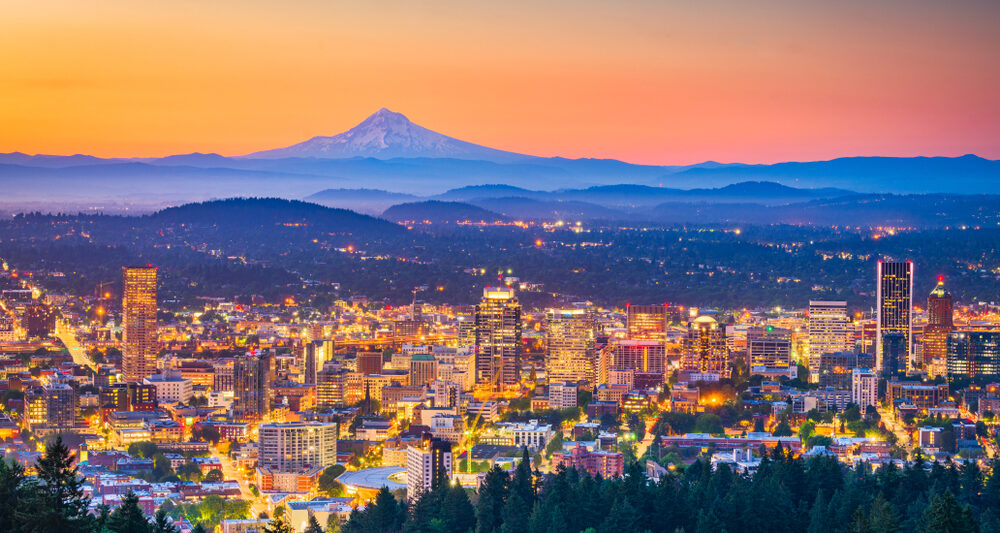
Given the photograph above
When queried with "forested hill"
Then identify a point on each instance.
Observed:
(257, 212)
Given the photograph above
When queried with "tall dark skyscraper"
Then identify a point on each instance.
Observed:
(252, 375)
(139, 322)
(498, 338)
(940, 322)
(894, 310)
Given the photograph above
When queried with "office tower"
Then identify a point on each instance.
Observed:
(252, 376)
(974, 355)
(940, 323)
(705, 348)
(128, 397)
(38, 320)
(222, 378)
(864, 388)
(427, 465)
(893, 352)
(297, 446)
(829, 330)
(446, 393)
(50, 406)
(646, 322)
(570, 335)
(466, 329)
(835, 370)
(769, 347)
(7, 330)
(423, 369)
(895, 309)
(646, 356)
(369, 363)
(139, 322)
(311, 355)
(498, 339)
(330, 385)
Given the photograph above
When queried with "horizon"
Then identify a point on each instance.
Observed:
(647, 83)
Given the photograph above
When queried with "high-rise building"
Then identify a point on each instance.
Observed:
(647, 356)
(423, 369)
(835, 370)
(222, 374)
(705, 347)
(50, 406)
(252, 375)
(769, 347)
(893, 350)
(427, 464)
(864, 388)
(297, 446)
(974, 355)
(646, 322)
(498, 338)
(330, 384)
(128, 397)
(38, 320)
(895, 310)
(570, 335)
(369, 363)
(829, 330)
(139, 322)
(940, 323)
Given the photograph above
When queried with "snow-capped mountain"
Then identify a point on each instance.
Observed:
(387, 135)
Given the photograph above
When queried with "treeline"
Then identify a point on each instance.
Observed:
(52, 501)
(785, 494)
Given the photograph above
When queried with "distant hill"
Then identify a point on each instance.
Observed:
(531, 209)
(438, 212)
(246, 214)
(370, 201)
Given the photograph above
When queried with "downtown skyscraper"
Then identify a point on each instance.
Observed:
(498, 338)
(828, 331)
(894, 312)
(940, 323)
(252, 376)
(139, 322)
(570, 335)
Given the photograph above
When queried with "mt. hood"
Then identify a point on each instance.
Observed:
(388, 135)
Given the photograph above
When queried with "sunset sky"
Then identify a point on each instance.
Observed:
(667, 82)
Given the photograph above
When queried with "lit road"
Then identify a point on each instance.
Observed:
(903, 438)
(64, 332)
(229, 472)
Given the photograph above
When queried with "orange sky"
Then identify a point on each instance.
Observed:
(669, 82)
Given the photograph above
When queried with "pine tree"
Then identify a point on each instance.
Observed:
(13, 490)
(881, 517)
(819, 522)
(198, 528)
(58, 505)
(162, 523)
(946, 515)
(313, 525)
(708, 522)
(492, 494)
(129, 517)
(278, 524)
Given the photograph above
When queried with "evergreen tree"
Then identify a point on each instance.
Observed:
(58, 504)
(313, 525)
(279, 524)
(13, 490)
(819, 522)
(198, 528)
(129, 517)
(162, 523)
(946, 515)
(492, 494)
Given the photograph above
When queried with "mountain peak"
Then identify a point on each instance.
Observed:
(387, 134)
